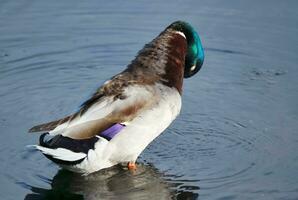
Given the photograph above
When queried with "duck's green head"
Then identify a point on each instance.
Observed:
(195, 54)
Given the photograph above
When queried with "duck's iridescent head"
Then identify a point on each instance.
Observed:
(195, 54)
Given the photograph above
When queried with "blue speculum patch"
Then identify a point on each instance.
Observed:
(112, 131)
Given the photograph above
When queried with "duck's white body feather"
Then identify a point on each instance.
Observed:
(145, 127)
(163, 107)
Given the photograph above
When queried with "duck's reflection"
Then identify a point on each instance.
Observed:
(113, 183)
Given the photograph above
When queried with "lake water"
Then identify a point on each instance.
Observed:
(236, 137)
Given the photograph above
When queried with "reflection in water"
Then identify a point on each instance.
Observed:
(113, 183)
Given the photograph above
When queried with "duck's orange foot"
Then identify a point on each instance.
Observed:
(131, 166)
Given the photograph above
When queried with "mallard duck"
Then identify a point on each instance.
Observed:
(129, 110)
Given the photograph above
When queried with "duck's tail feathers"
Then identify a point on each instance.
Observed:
(64, 150)
(61, 154)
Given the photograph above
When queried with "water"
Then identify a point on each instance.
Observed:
(236, 137)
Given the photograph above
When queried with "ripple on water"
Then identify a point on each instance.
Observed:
(205, 157)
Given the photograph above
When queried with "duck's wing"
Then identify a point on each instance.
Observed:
(103, 110)
(49, 125)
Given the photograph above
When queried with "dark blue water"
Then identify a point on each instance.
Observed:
(236, 137)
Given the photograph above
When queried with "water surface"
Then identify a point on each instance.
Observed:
(236, 137)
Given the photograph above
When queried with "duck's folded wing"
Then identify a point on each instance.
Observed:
(49, 125)
(96, 117)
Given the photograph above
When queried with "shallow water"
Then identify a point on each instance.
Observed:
(236, 137)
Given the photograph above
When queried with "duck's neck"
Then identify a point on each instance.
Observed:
(162, 60)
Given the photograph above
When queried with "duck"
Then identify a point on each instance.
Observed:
(130, 110)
